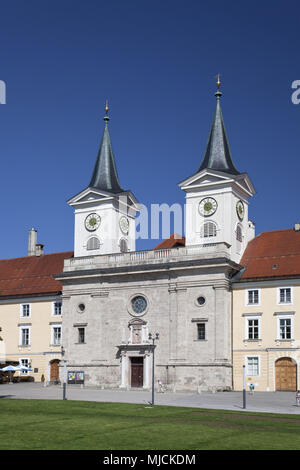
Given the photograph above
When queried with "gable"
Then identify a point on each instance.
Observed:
(89, 195)
(205, 178)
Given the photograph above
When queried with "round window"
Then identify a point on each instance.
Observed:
(201, 300)
(81, 308)
(139, 304)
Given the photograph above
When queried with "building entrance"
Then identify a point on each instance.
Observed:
(286, 374)
(137, 371)
(54, 371)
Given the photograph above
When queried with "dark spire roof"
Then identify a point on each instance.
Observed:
(105, 174)
(217, 154)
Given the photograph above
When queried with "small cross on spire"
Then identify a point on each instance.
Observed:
(218, 92)
(106, 118)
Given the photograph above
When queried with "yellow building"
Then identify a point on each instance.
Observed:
(31, 313)
(266, 313)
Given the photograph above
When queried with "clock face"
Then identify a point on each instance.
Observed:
(92, 222)
(208, 206)
(240, 210)
(124, 225)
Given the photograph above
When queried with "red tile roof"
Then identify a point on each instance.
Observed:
(173, 241)
(272, 254)
(32, 274)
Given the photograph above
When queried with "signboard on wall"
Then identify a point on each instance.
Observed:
(75, 377)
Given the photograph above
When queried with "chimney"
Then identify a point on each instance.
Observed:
(32, 238)
(297, 227)
(39, 249)
(34, 248)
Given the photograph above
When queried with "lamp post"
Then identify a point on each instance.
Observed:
(153, 339)
(63, 351)
(244, 387)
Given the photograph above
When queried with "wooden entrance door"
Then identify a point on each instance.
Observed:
(286, 374)
(54, 370)
(137, 371)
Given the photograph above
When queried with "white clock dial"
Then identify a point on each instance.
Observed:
(208, 206)
(92, 222)
(240, 210)
(124, 225)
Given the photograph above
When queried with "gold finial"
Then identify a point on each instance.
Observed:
(218, 81)
(106, 107)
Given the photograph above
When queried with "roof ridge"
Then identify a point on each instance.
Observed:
(33, 257)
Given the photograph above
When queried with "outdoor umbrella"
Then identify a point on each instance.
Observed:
(23, 368)
(10, 369)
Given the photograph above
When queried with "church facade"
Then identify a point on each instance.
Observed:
(114, 296)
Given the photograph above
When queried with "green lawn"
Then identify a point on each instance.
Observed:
(51, 424)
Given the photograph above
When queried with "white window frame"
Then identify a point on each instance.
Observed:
(56, 325)
(278, 296)
(247, 298)
(252, 317)
(22, 310)
(206, 224)
(252, 356)
(239, 226)
(285, 316)
(21, 359)
(24, 327)
(53, 308)
(89, 240)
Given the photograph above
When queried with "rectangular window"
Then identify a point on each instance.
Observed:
(25, 310)
(285, 295)
(57, 306)
(253, 366)
(56, 335)
(285, 328)
(25, 362)
(200, 331)
(253, 297)
(25, 337)
(253, 328)
(81, 335)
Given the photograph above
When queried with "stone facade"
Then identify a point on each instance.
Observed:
(171, 281)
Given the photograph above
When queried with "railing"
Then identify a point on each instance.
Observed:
(148, 256)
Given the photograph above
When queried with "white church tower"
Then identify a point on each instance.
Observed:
(217, 195)
(104, 212)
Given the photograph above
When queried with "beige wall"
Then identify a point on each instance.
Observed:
(40, 352)
(268, 348)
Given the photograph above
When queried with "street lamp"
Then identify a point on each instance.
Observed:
(63, 351)
(153, 339)
(244, 387)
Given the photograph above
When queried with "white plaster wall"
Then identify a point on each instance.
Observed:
(109, 232)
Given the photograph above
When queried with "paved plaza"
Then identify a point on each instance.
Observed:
(271, 402)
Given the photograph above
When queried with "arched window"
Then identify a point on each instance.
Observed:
(239, 238)
(208, 230)
(239, 233)
(93, 244)
(123, 245)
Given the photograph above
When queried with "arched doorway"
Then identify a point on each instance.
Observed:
(285, 374)
(54, 371)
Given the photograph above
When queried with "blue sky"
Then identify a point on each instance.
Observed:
(155, 61)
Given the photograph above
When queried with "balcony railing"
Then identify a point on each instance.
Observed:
(147, 256)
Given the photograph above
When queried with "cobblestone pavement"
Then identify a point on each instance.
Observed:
(272, 402)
